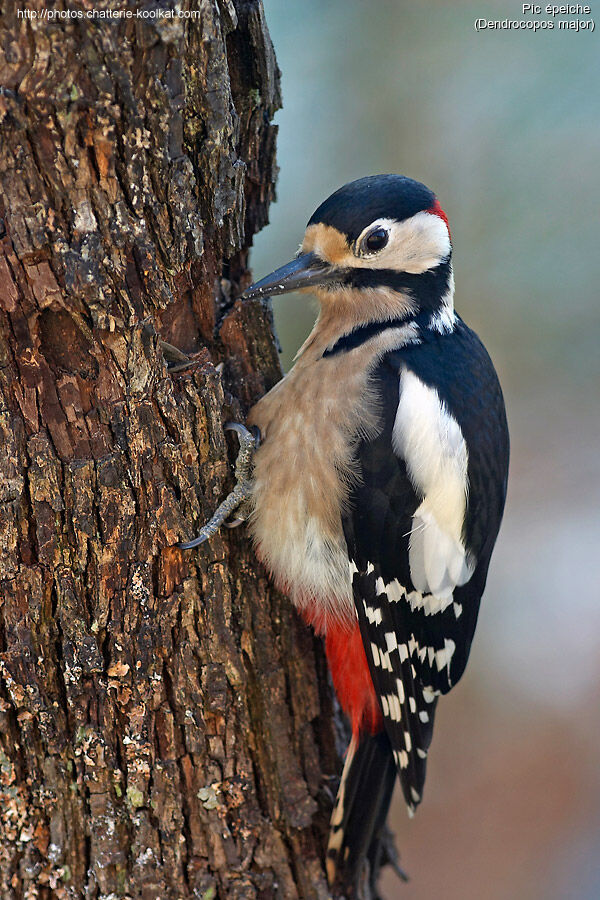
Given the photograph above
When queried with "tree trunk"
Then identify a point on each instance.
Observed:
(162, 729)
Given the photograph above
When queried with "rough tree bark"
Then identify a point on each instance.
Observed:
(162, 729)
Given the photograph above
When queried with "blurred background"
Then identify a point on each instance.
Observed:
(505, 127)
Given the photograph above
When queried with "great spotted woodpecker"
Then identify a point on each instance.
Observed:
(379, 484)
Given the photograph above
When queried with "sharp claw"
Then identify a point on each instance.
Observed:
(235, 426)
(247, 436)
(234, 523)
(189, 545)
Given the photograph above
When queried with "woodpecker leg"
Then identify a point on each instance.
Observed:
(239, 498)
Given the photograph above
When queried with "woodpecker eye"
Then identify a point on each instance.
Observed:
(376, 240)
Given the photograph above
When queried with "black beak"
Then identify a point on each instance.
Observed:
(303, 272)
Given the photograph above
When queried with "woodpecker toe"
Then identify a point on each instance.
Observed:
(239, 498)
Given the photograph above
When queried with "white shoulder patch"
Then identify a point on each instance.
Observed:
(431, 443)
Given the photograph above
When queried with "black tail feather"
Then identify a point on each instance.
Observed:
(359, 843)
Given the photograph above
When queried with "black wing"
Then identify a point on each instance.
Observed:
(418, 643)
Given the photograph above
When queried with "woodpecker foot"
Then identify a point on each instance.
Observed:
(239, 499)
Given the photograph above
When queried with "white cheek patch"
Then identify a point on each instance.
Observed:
(444, 319)
(431, 443)
(414, 246)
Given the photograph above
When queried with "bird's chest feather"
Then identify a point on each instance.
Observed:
(309, 423)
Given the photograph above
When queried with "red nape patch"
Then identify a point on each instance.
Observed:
(352, 679)
(436, 210)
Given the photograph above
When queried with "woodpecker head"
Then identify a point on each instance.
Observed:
(377, 248)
